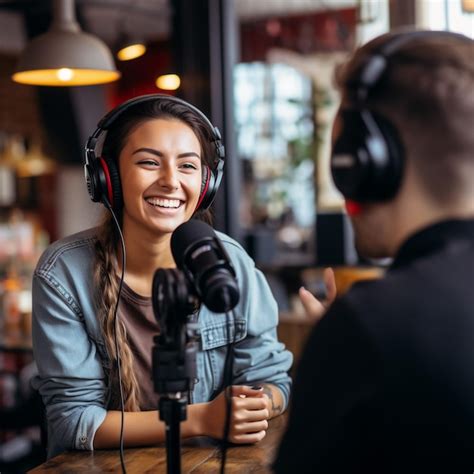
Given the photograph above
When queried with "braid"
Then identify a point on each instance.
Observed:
(105, 271)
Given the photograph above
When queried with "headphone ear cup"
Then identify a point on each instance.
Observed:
(204, 180)
(387, 178)
(349, 158)
(109, 182)
(92, 180)
(113, 188)
(367, 157)
(206, 187)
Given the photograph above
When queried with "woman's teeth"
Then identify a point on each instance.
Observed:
(168, 203)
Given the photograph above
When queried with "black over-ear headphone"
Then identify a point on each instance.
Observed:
(368, 155)
(101, 172)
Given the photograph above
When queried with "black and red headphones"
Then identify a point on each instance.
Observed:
(368, 155)
(101, 172)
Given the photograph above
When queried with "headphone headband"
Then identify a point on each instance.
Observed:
(101, 173)
(113, 115)
(374, 67)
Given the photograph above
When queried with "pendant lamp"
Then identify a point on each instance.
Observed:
(168, 82)
(468, 6)
(65, 55)
(130, 48)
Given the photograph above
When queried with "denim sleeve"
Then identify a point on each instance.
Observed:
(260, 357)
(70, 376)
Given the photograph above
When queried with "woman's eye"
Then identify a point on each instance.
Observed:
(189, 166)
(148, 163)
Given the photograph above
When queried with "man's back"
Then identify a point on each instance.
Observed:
(388, 374)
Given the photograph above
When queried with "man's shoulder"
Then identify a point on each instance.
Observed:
(399, 305)
(378, 307)
(391, 289)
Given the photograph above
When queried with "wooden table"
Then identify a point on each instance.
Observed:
(198, 456)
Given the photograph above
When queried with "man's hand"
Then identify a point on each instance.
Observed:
(248, 423)
(314, 308)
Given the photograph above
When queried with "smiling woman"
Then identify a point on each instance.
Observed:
(161, 164)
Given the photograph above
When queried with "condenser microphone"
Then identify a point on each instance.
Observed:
(199, 253)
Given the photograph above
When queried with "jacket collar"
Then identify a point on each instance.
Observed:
(434, 238)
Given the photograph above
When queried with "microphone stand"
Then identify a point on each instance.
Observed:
(174, 372)
(174, 355)
(172, 412)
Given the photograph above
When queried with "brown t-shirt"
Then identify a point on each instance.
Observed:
(136, 312)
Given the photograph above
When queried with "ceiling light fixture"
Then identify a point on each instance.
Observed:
(130, 49)
(468, 6)
(65, 55)
(168, 82)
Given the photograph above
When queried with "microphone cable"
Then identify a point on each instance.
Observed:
(228, 380)
(117, 353)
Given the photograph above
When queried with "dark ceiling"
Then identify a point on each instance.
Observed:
(109, 20)
(149, 20)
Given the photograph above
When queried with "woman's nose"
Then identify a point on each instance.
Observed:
(168, 178)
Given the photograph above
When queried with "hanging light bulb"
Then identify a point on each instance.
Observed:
(168, 82)
(468, 6)
(130, 49)
(65, 55)
(65, 74)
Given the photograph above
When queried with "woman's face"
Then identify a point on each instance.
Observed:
(160, 171)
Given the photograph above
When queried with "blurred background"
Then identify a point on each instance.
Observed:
(263, 73)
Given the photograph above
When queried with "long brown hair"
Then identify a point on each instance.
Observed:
(106, 263)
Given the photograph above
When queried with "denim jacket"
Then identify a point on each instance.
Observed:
(72, 359)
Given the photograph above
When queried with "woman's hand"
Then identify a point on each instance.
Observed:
(248, 423)
(314, 308)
